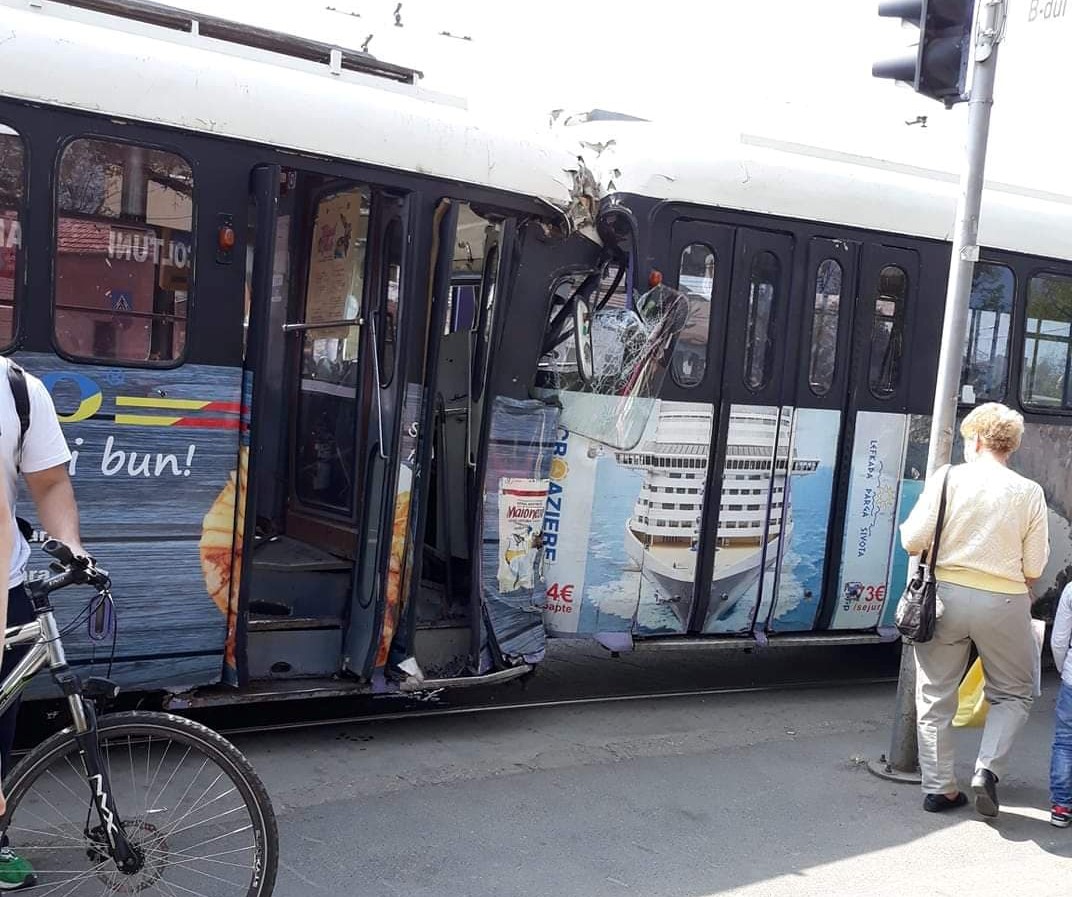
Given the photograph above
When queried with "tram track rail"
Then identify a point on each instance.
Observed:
(571, 678)
(545, 704)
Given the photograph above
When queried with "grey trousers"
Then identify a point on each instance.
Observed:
(1000, 626)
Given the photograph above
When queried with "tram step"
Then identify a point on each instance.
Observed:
(278, 624)
(299, 593)
(267, 691)
(295, 653)
(287, 555)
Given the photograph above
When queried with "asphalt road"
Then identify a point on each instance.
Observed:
(760, 793)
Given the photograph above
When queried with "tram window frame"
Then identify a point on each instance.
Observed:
(1064, 405)
(897, 329)
(17, 256)
(1000, 389)
(387, 319)
(824, 315)
(766, 360)
(339, 383)
(189, 302)
(677, 374)
(483, 321)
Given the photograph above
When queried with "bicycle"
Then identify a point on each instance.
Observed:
(145, 830)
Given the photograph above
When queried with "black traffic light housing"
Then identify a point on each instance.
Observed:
(939, 68)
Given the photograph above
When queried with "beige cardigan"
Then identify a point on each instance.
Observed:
(996, 534)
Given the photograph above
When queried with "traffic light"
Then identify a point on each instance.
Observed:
(940, 64)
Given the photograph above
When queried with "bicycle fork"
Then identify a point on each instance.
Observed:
(127, 857)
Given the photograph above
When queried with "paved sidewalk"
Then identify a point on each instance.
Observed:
(745, 795)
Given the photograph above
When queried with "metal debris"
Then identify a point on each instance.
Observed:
(584, 201)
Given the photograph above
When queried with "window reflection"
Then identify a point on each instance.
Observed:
(763, 284)
(1048, 342)
(696, 278)
(986, 347)
(887, 331)
(123, 252)
(11, 195)
(387, 325)
(327, 401)
(824, 326)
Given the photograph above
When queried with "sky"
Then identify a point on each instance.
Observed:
(788, 69)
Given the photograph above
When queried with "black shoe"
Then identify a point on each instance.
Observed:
(984, 786)
(936, 803)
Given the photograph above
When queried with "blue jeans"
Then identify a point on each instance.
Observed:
(1061, 758)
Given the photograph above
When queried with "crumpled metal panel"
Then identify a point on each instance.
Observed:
(520, 444)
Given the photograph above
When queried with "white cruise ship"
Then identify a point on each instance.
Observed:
(663, 534)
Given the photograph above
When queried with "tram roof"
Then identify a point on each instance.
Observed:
(794, 180)
(141, 70)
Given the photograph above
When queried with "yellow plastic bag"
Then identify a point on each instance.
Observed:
(971, 704)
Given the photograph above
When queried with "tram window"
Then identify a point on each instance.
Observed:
(387, 323)
(887, 332)
(482, 323)
(824, 326)
(986, 346)
(327, 400)
(614, 286)
(123, 252)
(12, 181)
(696, 278)
(1045, 381)
(562, 358)
(758, 347)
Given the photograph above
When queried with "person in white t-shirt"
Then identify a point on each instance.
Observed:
(43, 466)
(7, 543)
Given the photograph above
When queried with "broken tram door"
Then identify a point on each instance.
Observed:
(335, 252)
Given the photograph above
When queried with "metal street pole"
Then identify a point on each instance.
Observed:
(902, 762)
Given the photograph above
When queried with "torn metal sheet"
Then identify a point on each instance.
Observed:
(521, 443)
(585, 196)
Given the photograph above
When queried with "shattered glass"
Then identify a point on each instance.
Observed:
(632, 349)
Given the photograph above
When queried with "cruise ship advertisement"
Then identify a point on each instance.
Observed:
(623, 528)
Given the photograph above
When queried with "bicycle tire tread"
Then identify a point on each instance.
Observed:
(43, 753)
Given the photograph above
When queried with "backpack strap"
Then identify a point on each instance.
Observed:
(16, 378)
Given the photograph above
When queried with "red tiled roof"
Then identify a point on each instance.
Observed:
(78, 237)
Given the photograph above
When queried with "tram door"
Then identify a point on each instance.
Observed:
(723, 432)
(818, 388)
(324, 294)
(872, 476)
(751, 445)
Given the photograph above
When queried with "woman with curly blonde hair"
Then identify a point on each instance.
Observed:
(994, 544)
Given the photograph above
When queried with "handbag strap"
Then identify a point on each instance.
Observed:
(937, 540)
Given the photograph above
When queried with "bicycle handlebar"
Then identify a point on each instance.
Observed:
(60, 551)
(72, 569)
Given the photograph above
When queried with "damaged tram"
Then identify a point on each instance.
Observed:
(365, 397)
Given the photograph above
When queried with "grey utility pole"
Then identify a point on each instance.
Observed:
(902, 762)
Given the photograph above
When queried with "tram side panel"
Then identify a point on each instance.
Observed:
(154, 471)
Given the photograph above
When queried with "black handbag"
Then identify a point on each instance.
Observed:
(917, 611)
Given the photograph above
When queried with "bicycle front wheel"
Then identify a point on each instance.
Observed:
(190, 803)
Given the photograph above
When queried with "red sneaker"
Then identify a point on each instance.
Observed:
(1060, 816)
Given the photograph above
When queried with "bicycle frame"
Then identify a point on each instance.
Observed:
(46, 647)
